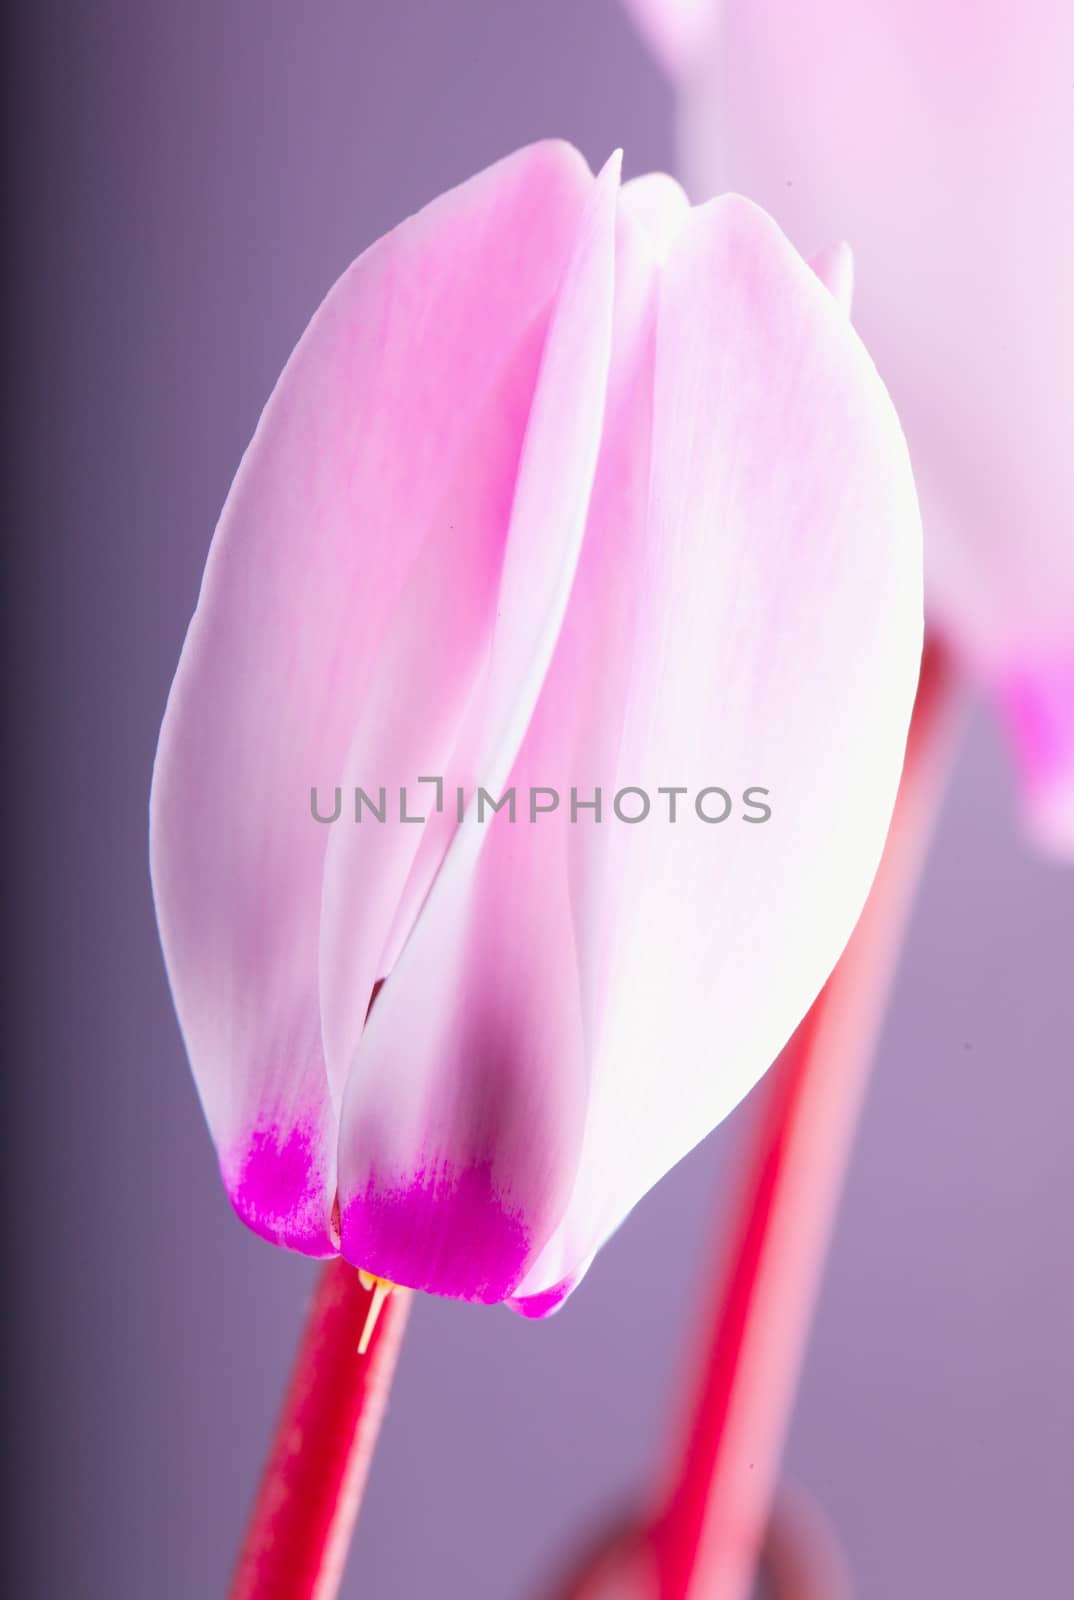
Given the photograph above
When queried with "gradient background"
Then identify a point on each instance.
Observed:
(187, 180)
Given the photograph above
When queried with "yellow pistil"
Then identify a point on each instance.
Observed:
(380, 1288)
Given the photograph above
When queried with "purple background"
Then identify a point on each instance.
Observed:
(188, 180)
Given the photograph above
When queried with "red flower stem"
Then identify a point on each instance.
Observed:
(708, 1533)
(304, 1515)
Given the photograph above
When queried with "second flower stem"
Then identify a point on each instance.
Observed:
(708, 1533)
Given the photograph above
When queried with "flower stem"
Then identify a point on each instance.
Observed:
(303, 1518)
(709, 1530)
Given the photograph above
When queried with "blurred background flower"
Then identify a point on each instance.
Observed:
(939, 142)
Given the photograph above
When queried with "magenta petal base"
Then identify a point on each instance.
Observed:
(447, 1233)
(277, 1185)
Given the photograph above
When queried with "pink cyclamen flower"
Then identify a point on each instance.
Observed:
(567, 486)
(938, 138)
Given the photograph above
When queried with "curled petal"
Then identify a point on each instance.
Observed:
(455, 1146)
(773, 588)
(400, 414)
